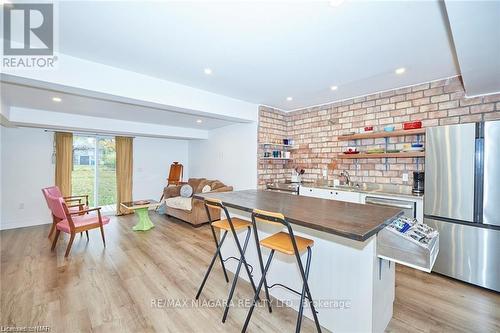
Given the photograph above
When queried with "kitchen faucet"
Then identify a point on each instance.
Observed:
(347, 177)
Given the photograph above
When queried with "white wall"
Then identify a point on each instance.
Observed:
(26, 158)
(229, 154)
(26, 167)
(152, 159)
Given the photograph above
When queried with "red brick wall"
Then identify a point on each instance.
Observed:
(272, 127)
(434, 103)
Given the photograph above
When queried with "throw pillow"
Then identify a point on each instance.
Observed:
(206, 189)
(186, 191)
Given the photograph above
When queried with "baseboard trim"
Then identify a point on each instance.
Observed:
(24, 224)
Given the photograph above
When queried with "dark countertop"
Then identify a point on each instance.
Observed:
(354, 221)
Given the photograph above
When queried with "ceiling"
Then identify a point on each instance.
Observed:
(264, 52)
(14, 95)
(476, 35)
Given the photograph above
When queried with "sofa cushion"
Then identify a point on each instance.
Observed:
(81, 221)
(223, 189)
(195, 182)
(171, 191)
(216, 184)
(179, 203)
(201, 185)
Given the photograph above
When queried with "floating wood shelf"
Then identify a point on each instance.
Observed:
(383, 155)
(278, 145)
(275, 158)
(382, 134)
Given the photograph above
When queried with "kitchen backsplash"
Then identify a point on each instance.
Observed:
(435, 103)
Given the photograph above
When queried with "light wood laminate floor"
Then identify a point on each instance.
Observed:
(111, 290)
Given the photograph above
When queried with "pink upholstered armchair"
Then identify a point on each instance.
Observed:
(76, 221)
(70, 201)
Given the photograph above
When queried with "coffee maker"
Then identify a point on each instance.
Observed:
(418, 182)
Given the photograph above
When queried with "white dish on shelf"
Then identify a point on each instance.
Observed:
(414, 149)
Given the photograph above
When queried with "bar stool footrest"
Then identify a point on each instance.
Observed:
(288, 288)
(237, 259)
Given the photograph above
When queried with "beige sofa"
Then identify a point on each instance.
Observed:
(189, 209)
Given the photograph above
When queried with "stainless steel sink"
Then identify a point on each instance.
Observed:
(353, 186)
(350, 187)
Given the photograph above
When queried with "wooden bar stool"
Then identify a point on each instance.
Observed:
(288, 244)
(229, 224)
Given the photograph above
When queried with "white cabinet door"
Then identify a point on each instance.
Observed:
(314, 192)
(330, 194)
(354, 197)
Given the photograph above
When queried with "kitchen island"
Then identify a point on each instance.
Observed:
(353, 289)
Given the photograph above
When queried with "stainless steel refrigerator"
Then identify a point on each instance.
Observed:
(462, 200)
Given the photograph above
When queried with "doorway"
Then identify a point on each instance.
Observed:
(94, 170)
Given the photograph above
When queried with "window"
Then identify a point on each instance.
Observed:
(94, 169)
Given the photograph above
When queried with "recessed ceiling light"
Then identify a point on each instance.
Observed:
(289, 99)
(207, 71)
(333, 88)
(400, 70)
(56, 99)
(199, 121)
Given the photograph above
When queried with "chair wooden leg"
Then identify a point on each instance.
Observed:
(55, 240)
(87, 233)
(52, 228)
(102, 234)
(72, 237)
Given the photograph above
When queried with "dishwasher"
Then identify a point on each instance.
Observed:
(408, 207)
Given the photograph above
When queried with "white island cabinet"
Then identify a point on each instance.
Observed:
(331, 194)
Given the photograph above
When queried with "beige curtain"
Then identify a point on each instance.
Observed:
(124, 158)
(64, 161)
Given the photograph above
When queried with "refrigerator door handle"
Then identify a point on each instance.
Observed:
(478, 177)
(490, 205)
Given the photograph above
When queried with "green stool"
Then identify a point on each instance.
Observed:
(141, 209)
